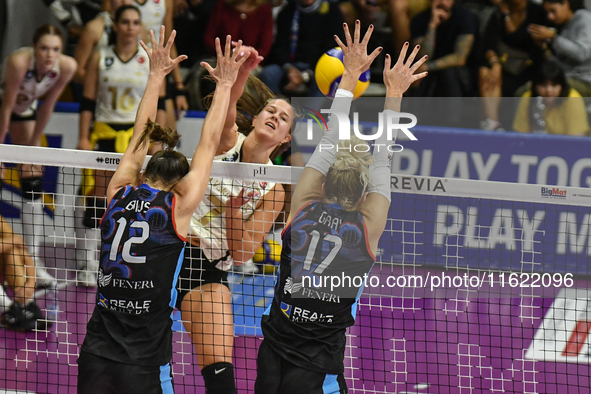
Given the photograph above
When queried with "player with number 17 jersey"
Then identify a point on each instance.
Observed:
(307, 325)
(141, 251)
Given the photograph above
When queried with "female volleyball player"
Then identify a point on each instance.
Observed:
(229, 226)
(115, 81)
(30, 73)
(128, 345)
(96, 34)
(342, 209)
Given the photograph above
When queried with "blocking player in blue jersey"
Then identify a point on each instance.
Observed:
(341, 210)
(128, 344)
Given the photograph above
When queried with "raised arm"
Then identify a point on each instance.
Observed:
(191, 188)
(356, 61)
(229, 135)
(91, 34)
(397, 79)
(15, 69)
(245, 238)
(160, 65)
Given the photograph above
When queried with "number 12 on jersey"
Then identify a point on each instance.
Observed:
(126, 252)
(316, 237)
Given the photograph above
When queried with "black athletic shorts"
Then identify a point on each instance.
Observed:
(275, 375)
(28, 114)
(98, 375)
(196, 271)
(18, 118)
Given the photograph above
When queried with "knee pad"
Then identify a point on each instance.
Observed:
(219, 378)
(32, 188)
(95, 209)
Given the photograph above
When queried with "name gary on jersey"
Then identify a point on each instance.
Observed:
(329, 221)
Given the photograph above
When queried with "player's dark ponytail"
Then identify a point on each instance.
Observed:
(156, 133)
(166, 166)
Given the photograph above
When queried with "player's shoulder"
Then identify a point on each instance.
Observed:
(94, 28)
(20, 58)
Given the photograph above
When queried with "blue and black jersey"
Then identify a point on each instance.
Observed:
(307, 319)
(140, 259)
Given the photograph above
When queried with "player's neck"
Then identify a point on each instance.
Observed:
(253, 152)
(157, 185)
(126, 50)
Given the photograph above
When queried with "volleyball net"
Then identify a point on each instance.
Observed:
(478, 286)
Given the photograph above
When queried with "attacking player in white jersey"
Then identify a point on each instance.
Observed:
(231, 223)
(115, 82)
(28, 74)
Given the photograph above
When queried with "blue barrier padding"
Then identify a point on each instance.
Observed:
(75, 107)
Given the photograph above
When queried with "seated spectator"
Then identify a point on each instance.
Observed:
(305, 30)
(446, 33)
(400, 13)
(551, 106)
(190, 22)
(510, 54)
(17, 270)
(571, 44)
(249, 20)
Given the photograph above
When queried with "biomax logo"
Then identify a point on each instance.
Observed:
(388, 120)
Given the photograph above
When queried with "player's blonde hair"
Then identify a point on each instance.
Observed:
(348, 177)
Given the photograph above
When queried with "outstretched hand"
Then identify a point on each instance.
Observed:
(159, 55)
(228, 62)
(254, 58)
(399, 78)
(355, 57)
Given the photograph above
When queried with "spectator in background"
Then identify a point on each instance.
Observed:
(510, 54)
(190, 21)
(556, 108)
(401, 12)
(250, 20)
(305, 30)
(571, 44)
(372, 12)
(446, 33)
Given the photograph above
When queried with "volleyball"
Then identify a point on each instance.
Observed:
(268, 256)
(330, 69)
